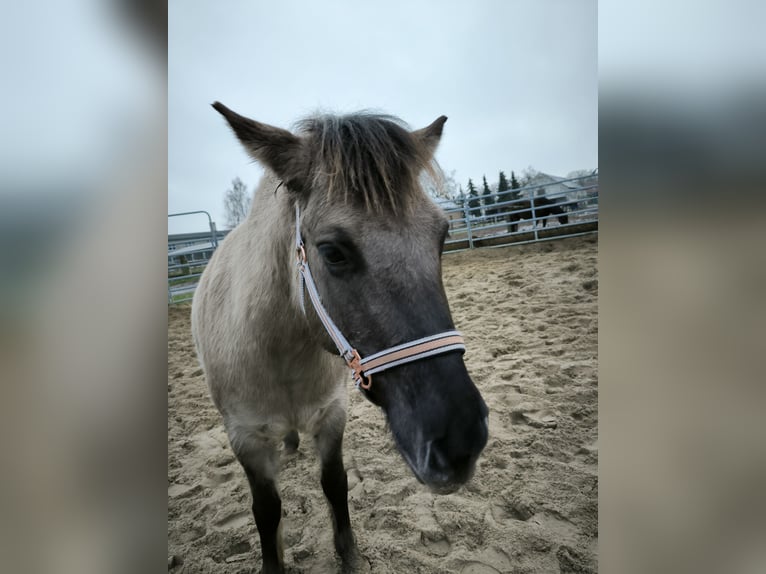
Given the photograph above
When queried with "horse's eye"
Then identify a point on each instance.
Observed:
(331, 254)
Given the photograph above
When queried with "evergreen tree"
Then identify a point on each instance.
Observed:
(514, 185)
(502, 184)
(487, 199)
(473, 197)
(502, 188)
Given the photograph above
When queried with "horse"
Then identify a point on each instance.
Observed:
(544, 208)
(340, 201)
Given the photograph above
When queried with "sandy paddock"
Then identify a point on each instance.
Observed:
(529, 317)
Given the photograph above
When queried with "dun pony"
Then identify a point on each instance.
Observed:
(345, 190)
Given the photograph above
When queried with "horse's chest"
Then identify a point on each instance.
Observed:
(291, 404)
(295, 391)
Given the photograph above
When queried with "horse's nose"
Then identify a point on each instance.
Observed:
(453, 455)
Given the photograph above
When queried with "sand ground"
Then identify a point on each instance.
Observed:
(529, 317)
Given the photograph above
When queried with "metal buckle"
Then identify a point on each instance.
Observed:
(355, 364)
(300, 254)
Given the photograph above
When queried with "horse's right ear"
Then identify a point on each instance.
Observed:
(430, 135)
(277, 149)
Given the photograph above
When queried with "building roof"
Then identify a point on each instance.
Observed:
(207, 246)
(197, 235)
(568, 185)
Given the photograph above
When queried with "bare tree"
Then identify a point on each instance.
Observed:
(236, 202)
(438, 185)
(450, 185)
(528, 175)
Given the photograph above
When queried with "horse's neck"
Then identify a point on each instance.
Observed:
(272, 229)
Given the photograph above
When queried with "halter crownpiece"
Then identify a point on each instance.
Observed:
(363, 369)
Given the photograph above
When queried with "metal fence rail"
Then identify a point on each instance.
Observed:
(526, 217)
(183, 276)
(521, 219)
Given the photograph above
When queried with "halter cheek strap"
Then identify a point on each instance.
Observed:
(363, 369)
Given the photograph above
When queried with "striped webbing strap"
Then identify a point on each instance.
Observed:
(392, 357)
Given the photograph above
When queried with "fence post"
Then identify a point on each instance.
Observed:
(534, 216)
(188, 265)
(468, 224)
(213, 234)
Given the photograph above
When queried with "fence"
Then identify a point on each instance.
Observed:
(521, 216)
(541, 212)
(185, 265)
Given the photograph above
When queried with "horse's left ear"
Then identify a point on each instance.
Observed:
(275, 148)
(430, 135)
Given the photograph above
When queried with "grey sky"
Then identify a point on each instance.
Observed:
(518, 81)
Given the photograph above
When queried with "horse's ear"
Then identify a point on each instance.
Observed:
(276, 148)
(430, 135)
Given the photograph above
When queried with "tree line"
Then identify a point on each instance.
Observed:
(505, 190)
(237, 200)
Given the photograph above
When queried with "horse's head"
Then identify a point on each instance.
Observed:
(374, 240)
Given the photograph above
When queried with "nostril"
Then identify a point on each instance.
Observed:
(452, 453)
(459, 447)
(442, 459)
(435, 457)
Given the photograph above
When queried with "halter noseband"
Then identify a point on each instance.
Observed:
(392, 357)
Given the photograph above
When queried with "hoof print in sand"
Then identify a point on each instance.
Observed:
(193, 533)
(239, 552)
(232, 521)
(543, 419)
(571, 562)
(301, 553)
(557, 383)
(183, 490)
(435, 543)
(508, 349)
(515, 509)
(216, 477)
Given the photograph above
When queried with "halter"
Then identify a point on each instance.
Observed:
(362, 369)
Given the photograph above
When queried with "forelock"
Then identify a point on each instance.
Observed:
(365, 158)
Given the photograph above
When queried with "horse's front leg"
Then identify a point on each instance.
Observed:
(329, 442)
(259, 458)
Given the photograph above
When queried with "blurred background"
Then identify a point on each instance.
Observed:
(682, 138)
(83, 200)
(83, 206)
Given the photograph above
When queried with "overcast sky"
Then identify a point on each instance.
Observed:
(517, 79)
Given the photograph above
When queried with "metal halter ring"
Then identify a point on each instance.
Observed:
(355, 364)
(300, 254)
